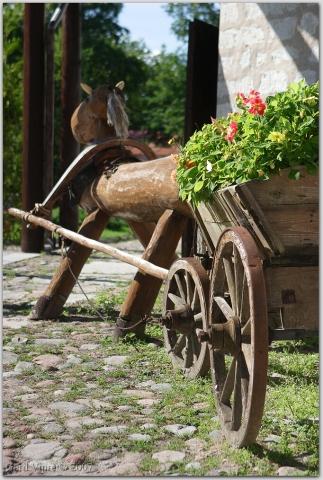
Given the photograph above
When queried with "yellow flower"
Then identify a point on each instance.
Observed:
(277, 137)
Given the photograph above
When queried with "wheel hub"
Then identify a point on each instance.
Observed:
(225, 337)
(181, 320)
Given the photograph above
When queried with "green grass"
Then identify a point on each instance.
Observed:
(291, 408)
(117, 230)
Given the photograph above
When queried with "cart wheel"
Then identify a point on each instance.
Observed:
(185, 311)
(238, 337)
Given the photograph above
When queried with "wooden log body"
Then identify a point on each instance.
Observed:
(138, 192)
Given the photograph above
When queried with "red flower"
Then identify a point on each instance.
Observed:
(253, 94)
(257, 106)
(254, 102)
(242, 98)
(231, 131)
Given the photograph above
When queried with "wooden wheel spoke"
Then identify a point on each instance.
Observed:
(241, 302)
(188, 352)
(237, 396)
(246, 329)
(179, 345)
(180, 287)
(244, 383)
(237, 278)
(195, 346)
(177, 301)
(195, 300)
(224, 307)
(230, 281)
(198, 316)
(228, 384)
(247, 353)
(189, 281)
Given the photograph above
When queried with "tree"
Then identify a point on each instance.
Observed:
(12, 112)
(165, 94)
(183, 13)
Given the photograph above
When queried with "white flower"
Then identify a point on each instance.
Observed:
(208, 166)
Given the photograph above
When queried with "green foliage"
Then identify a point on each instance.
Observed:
(165, 94)
(286, 135)
(183, 13)
(12, 112)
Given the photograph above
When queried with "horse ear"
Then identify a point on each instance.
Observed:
(120, 85)
(86, 88)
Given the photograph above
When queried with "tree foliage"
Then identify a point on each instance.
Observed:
(165, 95)
(183, 13)
(12, 111)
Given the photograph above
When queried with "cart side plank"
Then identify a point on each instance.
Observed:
(280, 190)
(292, 294)
(282, 214)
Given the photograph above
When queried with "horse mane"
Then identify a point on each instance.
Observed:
(116, 114)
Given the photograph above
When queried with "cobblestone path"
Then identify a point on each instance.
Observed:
(76, 403)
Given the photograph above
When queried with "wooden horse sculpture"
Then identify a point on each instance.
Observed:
(144, 193)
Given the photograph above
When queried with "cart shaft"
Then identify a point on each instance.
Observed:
(140, 263)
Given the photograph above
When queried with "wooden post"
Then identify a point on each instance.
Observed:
(51, 303)
(201, 92)
(50, 98)
(144, 288)
(33, 120)
(70, 98)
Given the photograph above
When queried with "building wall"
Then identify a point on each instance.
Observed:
(265, 46)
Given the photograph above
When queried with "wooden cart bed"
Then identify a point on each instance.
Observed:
(283, 217)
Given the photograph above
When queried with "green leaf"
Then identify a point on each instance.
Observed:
(198, 186)
(294, 174)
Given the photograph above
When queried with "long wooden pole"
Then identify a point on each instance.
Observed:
(140, 263)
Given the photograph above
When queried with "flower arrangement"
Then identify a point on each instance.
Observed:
(254, 143)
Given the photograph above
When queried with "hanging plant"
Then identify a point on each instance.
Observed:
(264, 137)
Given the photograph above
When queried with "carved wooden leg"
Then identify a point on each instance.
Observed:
(51, 303)
(144, 289)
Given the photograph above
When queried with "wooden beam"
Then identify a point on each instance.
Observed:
(33, 119)
(201, 92)
(70, 98)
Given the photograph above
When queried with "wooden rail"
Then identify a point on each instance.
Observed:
(140, 263)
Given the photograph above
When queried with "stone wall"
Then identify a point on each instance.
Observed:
(265, 46)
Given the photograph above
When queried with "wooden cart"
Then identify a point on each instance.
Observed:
(254, 279)
(260, 283)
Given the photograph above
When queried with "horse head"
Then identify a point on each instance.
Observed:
(102, 115)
